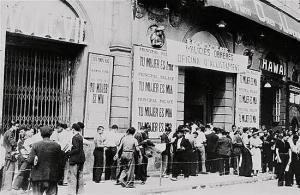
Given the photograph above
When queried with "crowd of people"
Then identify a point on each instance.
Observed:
(48, 157)
(44, 158)
(198, 149)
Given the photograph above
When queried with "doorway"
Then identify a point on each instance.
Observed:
(267, 107)
(201, 87)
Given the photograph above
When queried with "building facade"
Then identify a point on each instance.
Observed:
(109, 62)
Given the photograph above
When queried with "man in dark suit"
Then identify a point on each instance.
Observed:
(143, 140)
(76, 161)
(224, 149)
(182, 149)
(44, 157)
(212, 142)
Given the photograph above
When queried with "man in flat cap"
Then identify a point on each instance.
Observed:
(44, 157)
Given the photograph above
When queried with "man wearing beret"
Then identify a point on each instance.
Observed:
(44, 157)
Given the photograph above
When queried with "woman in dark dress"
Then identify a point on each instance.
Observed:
(246, 166)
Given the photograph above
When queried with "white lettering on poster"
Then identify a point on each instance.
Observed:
(98, 93)
(154, 90)
(247, 99)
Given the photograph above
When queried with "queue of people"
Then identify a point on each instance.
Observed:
(48, 157)
(197, 149)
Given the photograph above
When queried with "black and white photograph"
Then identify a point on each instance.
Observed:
(149, 97)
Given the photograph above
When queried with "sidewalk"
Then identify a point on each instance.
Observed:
(152, 185)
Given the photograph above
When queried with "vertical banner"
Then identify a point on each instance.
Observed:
(98, 92)
(154, 99)
(248, 99)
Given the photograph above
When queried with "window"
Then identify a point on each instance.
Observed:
(276, 106)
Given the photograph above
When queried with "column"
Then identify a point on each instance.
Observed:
(223, 104)
(180, 97)
(121, 47)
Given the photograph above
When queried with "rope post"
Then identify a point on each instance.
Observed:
(104, 165)
(160, 172)
(238, 164)
(29, 184)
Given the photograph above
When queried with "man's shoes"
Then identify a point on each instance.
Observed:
(174, 178)
(122, 183)
(143, 183)
(203, 173)
(130, 186)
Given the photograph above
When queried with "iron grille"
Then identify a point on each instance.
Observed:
(37, 87)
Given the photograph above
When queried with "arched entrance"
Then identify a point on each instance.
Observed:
(203, 86)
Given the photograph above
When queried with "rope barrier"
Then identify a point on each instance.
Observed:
(137, 164)
(161, 170)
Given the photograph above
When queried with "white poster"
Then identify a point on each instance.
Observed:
(154, 90)
(248, 99)
(98, 93)
(205, 56)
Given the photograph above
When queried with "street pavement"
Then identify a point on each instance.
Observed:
(257, 188)
(155, 185)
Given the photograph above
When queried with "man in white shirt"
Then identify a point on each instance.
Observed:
(33, 139)
(64, 139)
(194, 127)
(112, 139)
(200, 143)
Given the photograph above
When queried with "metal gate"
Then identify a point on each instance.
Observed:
(37, 87)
